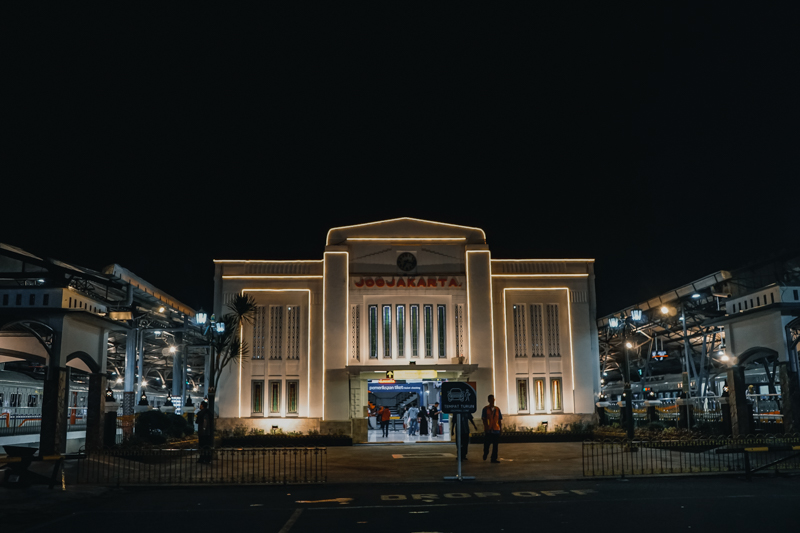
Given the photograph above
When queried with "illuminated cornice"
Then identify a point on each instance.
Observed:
(542, 260)
(271, 277)
(328, 238)
(408, 239)
(540, 275)
(267, 261)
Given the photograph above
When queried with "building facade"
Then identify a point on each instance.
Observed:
(415, 301)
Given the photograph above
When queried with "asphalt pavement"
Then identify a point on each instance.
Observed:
(403, 488)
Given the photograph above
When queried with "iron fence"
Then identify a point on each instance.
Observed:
(622, 457)
(182, 467)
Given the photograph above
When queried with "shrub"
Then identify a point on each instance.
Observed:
(156, 427)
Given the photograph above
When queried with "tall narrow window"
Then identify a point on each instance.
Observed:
(293, 327)
(459, 329)
(553, 331)
(373, 331)
(442, 323)
(555, 391)
(46, 299)
(520, 339)
(276, 332)
(401, 331)
(415, 330)
(355, 332)
(292, 395)
(258, 397)
(274, 397)
(522, 395)
(387, 331)
(538, 392)
(259, 333)
(428, 310)
(537, 335)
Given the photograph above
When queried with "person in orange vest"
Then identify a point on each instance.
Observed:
(492, 425)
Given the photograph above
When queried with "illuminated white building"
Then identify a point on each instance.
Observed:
(424, 300)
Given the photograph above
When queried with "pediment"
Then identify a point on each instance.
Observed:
(406, 229)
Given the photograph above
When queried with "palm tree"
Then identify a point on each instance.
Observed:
(229, 347)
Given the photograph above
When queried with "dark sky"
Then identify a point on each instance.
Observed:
(661, 141)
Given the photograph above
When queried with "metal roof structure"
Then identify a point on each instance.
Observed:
(130, 303)
(680, 330)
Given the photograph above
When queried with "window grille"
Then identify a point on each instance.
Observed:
(553, 331)
(537, 334)
(520, 339)
(355, 333)
(259, 332)
(275, 332)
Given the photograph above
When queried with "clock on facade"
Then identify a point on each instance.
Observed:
(406, 261)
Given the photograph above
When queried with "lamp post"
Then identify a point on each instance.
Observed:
(211, 331)
(623, 323)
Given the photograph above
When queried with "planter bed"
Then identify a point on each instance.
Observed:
(285, 441)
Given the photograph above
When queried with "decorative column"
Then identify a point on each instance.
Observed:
(335, 347)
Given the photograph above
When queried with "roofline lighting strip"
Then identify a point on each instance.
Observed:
(328, 238)
(271, 277)
(540, 275)
(267, 261)
(543, 260)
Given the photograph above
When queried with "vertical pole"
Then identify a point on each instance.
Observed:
(459, 421)
(628, 392)
(177, 376)
(96, 413)
(207, 371)
(128, 395)
(140, 341)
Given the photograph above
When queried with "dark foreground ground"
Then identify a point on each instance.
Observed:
(669, 504)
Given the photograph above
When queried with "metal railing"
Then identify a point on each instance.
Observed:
(181, 467)
(706, 412)
(622, 457)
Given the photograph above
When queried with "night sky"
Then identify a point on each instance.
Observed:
(663, 141)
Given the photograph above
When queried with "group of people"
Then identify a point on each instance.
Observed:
(427, 422)
(416, 419)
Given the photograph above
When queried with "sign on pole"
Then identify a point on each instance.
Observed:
(458, 397)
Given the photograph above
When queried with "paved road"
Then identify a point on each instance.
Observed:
(651, 505)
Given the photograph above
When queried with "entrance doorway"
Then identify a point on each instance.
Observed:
(403, 399)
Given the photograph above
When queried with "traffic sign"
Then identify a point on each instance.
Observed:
(458, 397)
(390, 374)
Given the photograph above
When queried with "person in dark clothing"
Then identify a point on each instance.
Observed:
(464, 420)
(423, 421)
(204, 435)
(434, 414)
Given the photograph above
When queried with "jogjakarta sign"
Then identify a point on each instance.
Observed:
(425, 282)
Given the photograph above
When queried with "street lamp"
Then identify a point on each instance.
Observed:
(210, 331)
(623, 323)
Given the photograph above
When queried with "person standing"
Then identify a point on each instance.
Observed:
(386, 415)
(423, 422)
(204, 436)
(464, 420)
(434, 414)
(492, 423)
(411, 416)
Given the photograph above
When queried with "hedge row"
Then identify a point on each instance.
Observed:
(285, 441)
